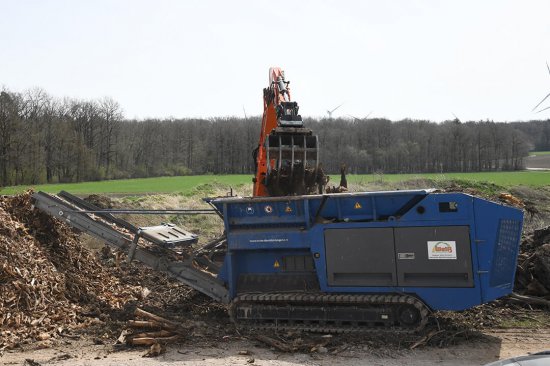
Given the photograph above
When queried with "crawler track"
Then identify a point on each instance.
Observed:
(330, 313)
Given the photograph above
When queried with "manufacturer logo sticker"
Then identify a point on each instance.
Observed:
(442, 249)
(250, 210)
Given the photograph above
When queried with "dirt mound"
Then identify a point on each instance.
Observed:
(49, 282)
(100, 201)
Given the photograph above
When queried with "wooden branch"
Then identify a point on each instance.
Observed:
(424, 340)
(274, 343)
(530, 299)
(147, 315)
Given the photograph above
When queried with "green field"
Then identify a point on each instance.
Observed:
(143, 185)
(505, 179)
(539, 153)
(187, 184)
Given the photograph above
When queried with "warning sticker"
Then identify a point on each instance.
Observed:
(442, 249)
(357, 206)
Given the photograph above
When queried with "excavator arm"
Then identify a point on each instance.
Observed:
(287, 156)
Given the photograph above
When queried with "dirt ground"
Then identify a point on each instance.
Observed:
(490, 346)
(537, 162)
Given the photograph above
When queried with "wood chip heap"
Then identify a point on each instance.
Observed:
(49, 283)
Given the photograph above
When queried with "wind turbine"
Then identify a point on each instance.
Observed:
(361, 119)
(456, 118)
(330, 112)
(547, 95)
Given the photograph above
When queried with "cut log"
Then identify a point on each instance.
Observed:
(160, 333)
(148, 341)
(148, 324)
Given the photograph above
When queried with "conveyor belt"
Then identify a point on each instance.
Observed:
(185, 271)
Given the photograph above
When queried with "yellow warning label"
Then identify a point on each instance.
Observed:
(276, 264)
(288, 209)
(357, 206)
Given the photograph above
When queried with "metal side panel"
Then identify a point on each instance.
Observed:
(360, 257)
(435, 256)
(498, 236)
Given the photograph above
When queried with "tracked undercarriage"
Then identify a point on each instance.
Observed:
(329, 313)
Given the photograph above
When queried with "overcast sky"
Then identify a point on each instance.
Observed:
(417, 59)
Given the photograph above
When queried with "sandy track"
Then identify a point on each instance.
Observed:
(537, 162)
(496, 344)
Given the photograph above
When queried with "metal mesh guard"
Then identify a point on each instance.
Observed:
(504, 259)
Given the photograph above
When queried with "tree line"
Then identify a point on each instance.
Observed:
(45, 140)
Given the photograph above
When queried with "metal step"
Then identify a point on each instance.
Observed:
(168, 235)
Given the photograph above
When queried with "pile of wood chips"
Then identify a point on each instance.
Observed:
(49, 283)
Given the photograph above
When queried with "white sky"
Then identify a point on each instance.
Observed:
(417, 59)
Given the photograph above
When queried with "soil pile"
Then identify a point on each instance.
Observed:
(49, 283)
(100, 201)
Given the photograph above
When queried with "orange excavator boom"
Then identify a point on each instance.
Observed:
(287, 156)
